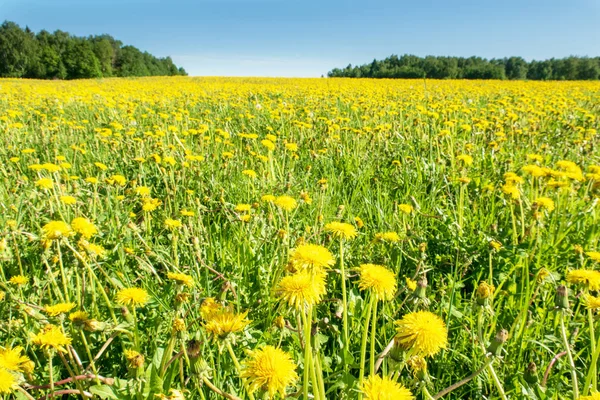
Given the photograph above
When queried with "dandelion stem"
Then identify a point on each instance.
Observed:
(238, 367)
(496, 381)
(460, 383)
(373, 329)
(363, 346)
(592, 371)
(592, 376)
(307, 351)
(569, 356)
(344, 298)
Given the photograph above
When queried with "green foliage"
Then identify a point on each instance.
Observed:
(411, 67)
(60, 55)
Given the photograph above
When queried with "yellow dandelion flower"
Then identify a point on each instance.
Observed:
(19, 280)
(485, 290)
(172, 224)
(594, 255)
(379, 280)
(142, 191)
(8, 382)
(52, 337)
(84, 227)
(44, 183)
(302, 289)
(270, 370)
(341, 230)
(411, 284)
(421, 333)
(390, 237)
(68, 200)
(224, 322)
(378, 388)
(119, 180)
(511, 190)
(132, 297)
(268, 144)
(250, 173)
(134, 359)
(544, 203)
(181, 279)
(406, 208)
(11, 359)
(55, 230)
(465, 159)
(268, 198)
(78, 317)
(209, 307)
(243, 207)
(585, 277)
(496, 245)
(60, 308)
(311, 257)
(286, 203)
(591, 302)
(417, 364)
(593, 396)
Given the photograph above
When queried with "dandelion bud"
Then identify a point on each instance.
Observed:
(178, 325)
(484, 292)
(578, 249)
(280, 322)
(92, 325)
(421, 291)
(134, 359)
(281, 234)
(127, 315)
(530, 374)
(193, 348)
(561, 300)
(497, 342)
(422, 247)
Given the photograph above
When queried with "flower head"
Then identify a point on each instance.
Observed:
(594, 255)
(302, 289)
(19, 280)
(13, 360)
(545, 203)
(132, 297)
(379, 280)
(421, 333)
(378, 388)
(405, 208)
(585, 277)
(8, 382)
(286, 203)
(311, 257)
(591, 302)
(181, 279)
(391, 237)
(55, 230)
(341, 230)
(269, 369)
(84, 227)
(60, 308)
(224, 322)
(52, 337)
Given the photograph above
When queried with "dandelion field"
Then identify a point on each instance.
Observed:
(210, 238)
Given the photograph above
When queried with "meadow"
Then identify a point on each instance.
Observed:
(236, 238)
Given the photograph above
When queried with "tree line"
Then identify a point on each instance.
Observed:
(59, 55)
(410, 66)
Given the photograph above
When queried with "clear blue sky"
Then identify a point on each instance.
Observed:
(308, 38)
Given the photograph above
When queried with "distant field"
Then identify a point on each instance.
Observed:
(183, 237)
